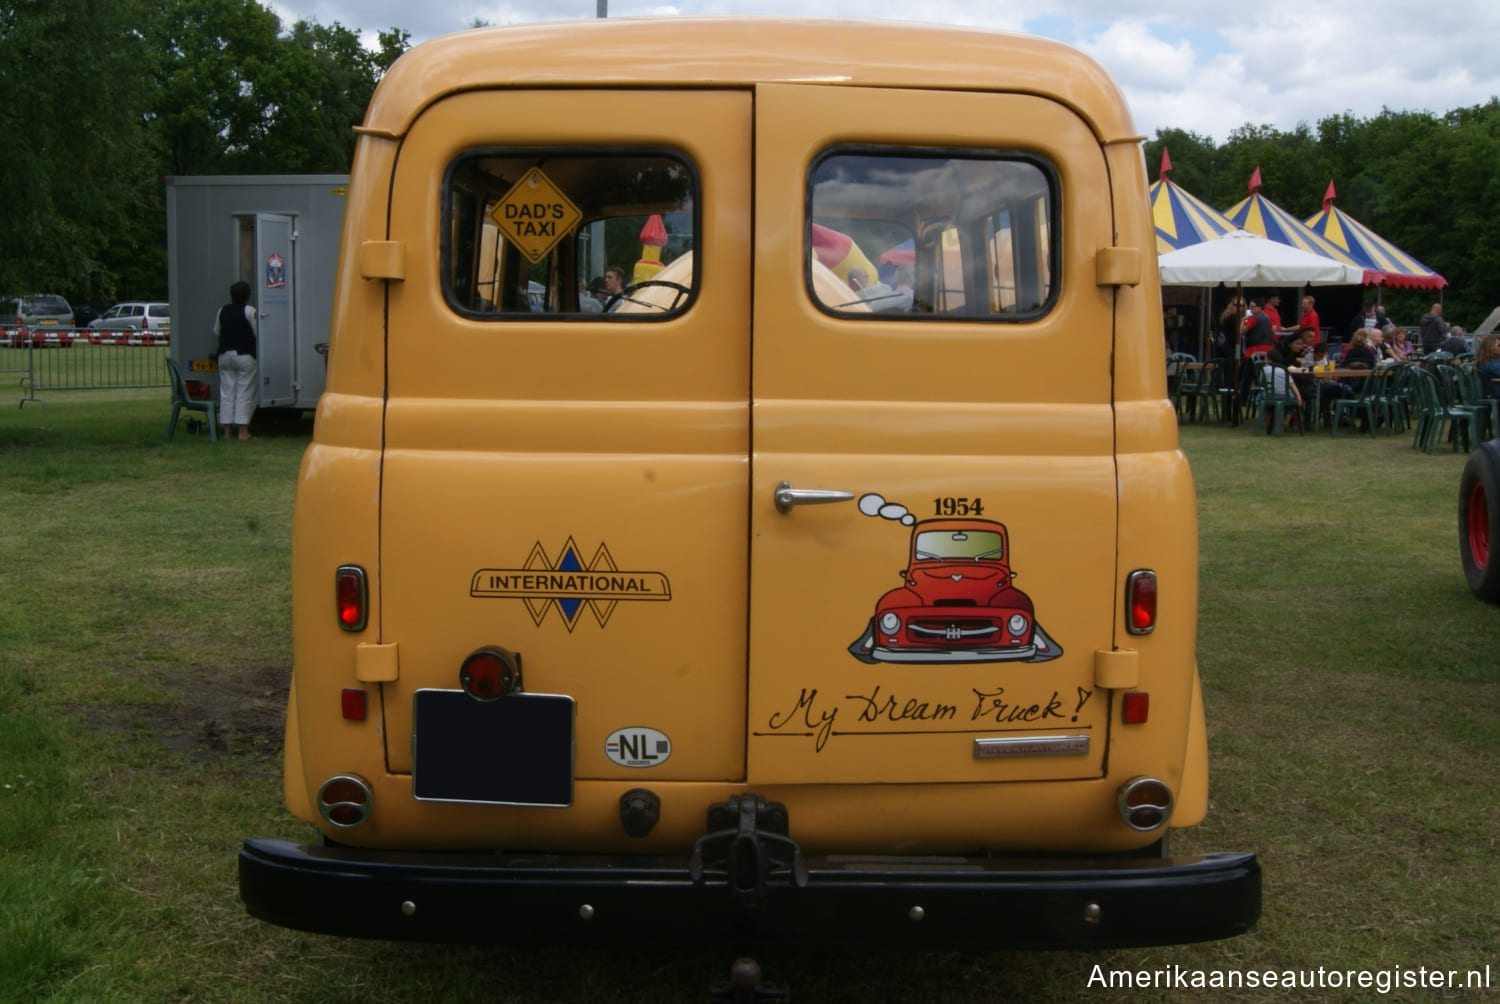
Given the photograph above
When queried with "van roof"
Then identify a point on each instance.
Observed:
(741, 52)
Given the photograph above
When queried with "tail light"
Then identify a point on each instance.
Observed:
(351, 597)
(1145, 803)
(345, 801)
(490, 673)
(1140, 602)
(1135, 707)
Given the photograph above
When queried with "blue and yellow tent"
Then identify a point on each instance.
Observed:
(1182, 219)
(1373, 252)
(1262, 217)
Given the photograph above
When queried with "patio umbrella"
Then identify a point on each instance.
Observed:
(1243, 257)
(1261, 216)
(1374, 252)
(1181, 218)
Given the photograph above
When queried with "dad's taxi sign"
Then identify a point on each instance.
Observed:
(534, 215)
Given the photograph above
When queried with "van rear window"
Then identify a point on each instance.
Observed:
(548, 234)
(945, 235)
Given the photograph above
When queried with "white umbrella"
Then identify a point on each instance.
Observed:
(1242, 257)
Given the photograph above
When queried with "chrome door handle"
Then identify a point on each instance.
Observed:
(787, 496)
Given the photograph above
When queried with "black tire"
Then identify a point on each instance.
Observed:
(1479, 521)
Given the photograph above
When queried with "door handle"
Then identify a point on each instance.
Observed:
(787, 496)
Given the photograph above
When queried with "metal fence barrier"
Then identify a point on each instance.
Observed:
(54, 359)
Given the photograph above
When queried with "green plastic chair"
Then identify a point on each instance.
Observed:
(182, 402)
(1365, 403)
(1177, 374)
(1275, 395)
(1436, 417)
(1198, 394)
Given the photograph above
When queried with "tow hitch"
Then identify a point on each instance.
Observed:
(747, 844)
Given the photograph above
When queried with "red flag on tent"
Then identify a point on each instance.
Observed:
(1166, 164)
(1254, 180)
(1329, 195)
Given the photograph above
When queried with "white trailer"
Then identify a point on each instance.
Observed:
(280, 233)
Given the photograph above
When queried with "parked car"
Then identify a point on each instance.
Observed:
(83, 313)
(35, 311)
(134, 316)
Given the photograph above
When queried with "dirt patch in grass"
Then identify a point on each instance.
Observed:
(216, 713)
(242, 713)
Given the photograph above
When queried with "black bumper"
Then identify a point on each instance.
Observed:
(576, 899)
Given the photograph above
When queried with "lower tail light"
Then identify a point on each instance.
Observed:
(345, 801)
(1145, 803)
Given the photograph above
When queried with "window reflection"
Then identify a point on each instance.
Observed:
(959, 236)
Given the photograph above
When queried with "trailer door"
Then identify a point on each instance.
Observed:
(275, 301)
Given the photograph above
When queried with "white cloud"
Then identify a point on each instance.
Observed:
(1207, 68)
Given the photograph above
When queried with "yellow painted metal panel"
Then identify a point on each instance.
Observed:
(1012, 418)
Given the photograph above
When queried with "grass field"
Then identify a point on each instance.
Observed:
(1352, 687)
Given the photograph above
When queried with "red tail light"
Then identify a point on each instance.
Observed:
(1140, 602)
(351, 597)
(490, 673)
(1135, 707)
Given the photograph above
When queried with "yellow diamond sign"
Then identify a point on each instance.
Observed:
(534, 215)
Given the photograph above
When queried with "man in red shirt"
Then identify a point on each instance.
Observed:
(1309, 319)
(1273, 311)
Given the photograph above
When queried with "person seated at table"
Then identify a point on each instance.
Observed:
(1276, 379)
(1378, 347)
(1398, 345)
(1288, 351)
(1487, 364)
(1358, 355)
(1329, 389)
(1457, 343)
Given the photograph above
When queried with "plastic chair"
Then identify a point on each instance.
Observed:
(1435, 417)
(1177, 373)
(181, 402)
(1276, 395)
(1469, 396)
(1472, 395)
(1363, 403)
(1199, 392)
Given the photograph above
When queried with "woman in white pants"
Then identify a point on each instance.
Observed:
(239, 374)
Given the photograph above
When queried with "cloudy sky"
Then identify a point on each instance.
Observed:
(1189, 64)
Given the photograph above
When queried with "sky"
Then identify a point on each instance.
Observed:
(1198, 65)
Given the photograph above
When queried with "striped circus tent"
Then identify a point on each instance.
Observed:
(1370, 250)
(1262, 217)
(1182, 218)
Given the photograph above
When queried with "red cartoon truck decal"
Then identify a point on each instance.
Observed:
(956, 602)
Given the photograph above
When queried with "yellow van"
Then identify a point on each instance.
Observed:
(745, 501)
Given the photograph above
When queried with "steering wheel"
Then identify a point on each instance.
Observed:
(625, 294)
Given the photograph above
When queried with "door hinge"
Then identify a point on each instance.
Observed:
(376, 663)
(1117, 267)
(382, 260)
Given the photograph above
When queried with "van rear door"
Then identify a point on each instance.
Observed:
(932, 503)
(572, 486)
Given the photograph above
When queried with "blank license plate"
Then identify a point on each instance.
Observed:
(517, 750)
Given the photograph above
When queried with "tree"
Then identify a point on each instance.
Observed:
(77, 164)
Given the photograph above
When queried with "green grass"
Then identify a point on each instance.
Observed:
(1350, 681)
